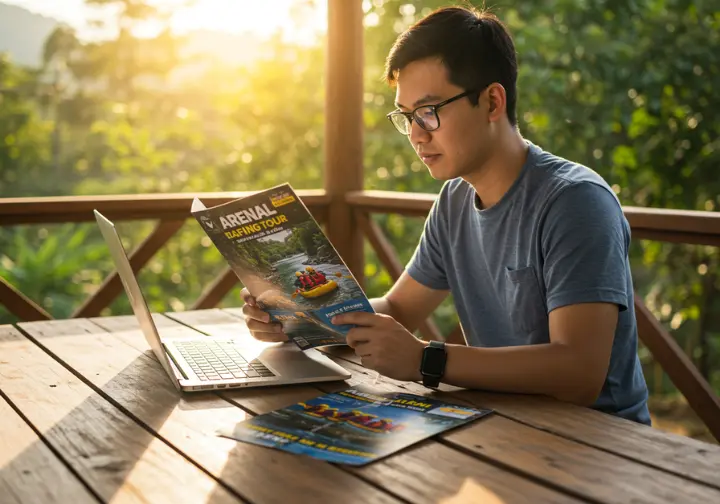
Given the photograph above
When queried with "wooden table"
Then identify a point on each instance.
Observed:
(87, 415)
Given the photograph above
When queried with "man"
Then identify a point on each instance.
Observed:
(534, 248)
(302, 281)
(317, 276)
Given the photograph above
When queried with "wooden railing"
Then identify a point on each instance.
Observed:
(172, 210)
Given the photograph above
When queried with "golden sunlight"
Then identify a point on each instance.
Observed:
(300, 21)
(472, 491)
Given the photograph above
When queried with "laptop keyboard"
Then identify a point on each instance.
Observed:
(219, 360)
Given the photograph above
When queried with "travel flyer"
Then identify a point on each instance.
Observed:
(281, 255)
(354, 427)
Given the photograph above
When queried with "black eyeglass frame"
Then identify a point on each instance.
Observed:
(411, 115)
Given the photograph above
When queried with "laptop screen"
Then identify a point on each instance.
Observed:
(132, 288)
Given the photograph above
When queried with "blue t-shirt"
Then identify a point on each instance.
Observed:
(557, 237)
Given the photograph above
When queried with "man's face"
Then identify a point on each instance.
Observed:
(462, 143)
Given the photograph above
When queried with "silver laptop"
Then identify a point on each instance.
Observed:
(204, 362)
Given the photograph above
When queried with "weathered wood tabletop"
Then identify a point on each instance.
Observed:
(87, 414)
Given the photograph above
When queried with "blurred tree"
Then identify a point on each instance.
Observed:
(24, 147)
(58, 51)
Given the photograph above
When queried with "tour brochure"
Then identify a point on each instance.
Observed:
(354, 427)
(281, 255)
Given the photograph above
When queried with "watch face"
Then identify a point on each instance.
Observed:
(433, 362)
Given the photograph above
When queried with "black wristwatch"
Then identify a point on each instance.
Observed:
(432, 366)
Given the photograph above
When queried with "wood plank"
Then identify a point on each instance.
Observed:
(676, 237)
(29, 470)
(344, 128)
(19, 304)
(681, 370)
(671, 220)
(121, 323)
(122, 368)
(167, 206)
(662, 220)
(576, 467)
(428, 472)
(112, 286)
(113, 455)
(680, 455)
(411, 204)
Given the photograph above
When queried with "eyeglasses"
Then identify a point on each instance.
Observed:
(426, 116)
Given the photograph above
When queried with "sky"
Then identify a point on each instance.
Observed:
(300, 20)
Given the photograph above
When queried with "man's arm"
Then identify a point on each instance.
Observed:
(409, 302)
(572, 367)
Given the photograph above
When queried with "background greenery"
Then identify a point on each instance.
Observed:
(626, 87)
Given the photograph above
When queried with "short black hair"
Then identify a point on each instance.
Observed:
(475, 47)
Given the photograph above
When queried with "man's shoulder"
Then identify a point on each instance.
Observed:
(454, 188)
(560, 174)
(573, 195)
(454, 195)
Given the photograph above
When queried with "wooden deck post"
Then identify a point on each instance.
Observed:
(344, 127)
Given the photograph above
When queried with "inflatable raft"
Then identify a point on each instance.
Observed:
(320, 290)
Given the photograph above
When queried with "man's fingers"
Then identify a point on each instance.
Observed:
(368, 362)
(247, 297)
(270, 337)
(257, 321)
(358, 336)
(363, 350)
(253, 313)
(266, 332)
(360, 318)
(258, 326)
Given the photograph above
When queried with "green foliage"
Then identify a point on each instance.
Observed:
(307, 239)
(55, 265)
(626, 88)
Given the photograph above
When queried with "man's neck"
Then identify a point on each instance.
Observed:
(499, 172)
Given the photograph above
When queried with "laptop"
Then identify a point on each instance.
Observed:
(208, 362)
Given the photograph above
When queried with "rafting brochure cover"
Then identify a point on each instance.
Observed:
(355, 426)
(280, 253)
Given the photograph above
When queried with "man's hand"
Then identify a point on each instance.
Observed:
(258, 321)
(384, 345)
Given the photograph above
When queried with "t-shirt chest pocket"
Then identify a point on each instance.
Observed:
(524, 301)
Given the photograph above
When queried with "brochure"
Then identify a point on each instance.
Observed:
(355, 426)
(281, 255)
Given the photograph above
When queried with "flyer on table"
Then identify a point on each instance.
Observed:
(355, 426)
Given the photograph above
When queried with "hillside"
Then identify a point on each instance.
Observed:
(22, 34)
